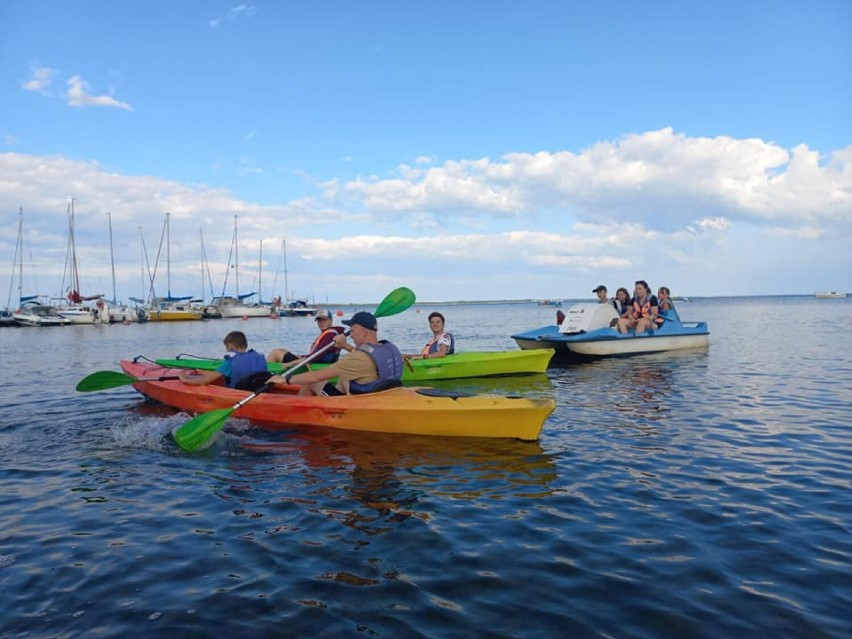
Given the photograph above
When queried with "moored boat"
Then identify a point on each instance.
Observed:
(230, 307)
(589, 329)
(125, 314)
(172, 309)
(456, 366)
(828, 295)
(297, 308)
(81, 314)
(404, 410)
(38, 315)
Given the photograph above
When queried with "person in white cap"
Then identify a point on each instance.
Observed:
(327, 334)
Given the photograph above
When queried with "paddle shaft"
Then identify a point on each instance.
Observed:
(197, 431)
(309, 358)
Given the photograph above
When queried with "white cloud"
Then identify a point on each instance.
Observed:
(235, 12)
(665, 179)
(79, 96)
(41, 79)
(690, 213)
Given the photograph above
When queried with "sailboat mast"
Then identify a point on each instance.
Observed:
(75, 274)
(236, 258)
(168, 257)
(142, 261)
(286, 291)
(201, 239)
(20, 250)
(260, 275)
(112, 258)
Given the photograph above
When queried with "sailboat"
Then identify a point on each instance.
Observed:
(76, 311)
(170, 309)
(30, 312)
(119, 312)
(235, 306)
(208, 311)
(293, 307)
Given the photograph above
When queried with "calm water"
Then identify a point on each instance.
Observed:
(695, 494)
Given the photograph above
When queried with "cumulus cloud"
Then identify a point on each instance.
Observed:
(687, 212)
(42, 78)
(79, 96)
(43, 184)
(662, 178)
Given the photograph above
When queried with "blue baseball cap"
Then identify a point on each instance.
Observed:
(365, 319)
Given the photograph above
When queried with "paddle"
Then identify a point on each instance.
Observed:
(103, 380)
(198, 430)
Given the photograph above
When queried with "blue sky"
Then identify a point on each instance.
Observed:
(477, 150)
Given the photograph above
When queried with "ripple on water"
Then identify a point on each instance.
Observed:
(697, 494)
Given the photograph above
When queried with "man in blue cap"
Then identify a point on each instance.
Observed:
(370, 365)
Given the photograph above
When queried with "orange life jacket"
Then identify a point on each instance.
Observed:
(644, 311)
(334, 331)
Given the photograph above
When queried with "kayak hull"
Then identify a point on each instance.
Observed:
(405, 410)
(457, 366)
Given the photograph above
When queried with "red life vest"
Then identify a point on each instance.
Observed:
(333, 331)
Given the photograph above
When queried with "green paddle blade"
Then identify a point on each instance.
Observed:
(397, 301)
(198, 430)
(103, 380)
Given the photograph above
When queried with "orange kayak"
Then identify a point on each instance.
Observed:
(408, 410)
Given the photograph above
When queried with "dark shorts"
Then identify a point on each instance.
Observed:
(289, 357)
(331, 390)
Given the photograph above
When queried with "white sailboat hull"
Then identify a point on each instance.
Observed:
(84, 315)
(244, 311)
(123, 314)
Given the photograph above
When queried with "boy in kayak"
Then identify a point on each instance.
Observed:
(243, 368)
(327, 334)
(442, 343)
(370, 365)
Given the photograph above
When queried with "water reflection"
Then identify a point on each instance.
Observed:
(374, 482)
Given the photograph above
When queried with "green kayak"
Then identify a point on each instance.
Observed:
(456, 366)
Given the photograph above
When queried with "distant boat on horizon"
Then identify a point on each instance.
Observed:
(830, 295)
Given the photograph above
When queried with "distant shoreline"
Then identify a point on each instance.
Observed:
(565, 301)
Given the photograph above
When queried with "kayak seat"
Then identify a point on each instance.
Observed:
(439, 392)
(253, 381)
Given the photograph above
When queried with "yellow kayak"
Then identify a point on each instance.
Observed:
(408, 410)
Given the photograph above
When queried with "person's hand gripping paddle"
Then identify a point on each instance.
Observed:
(197, 431)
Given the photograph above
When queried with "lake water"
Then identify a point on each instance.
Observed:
(694, 494)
